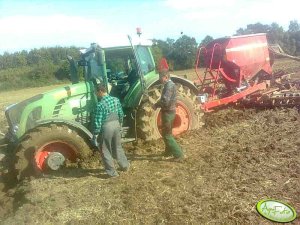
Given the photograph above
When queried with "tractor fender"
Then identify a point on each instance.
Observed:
(71, 123)
(175, 79)
(185, 82)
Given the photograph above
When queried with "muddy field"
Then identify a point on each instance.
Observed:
(237, 159)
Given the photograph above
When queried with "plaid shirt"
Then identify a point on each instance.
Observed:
(102, 112)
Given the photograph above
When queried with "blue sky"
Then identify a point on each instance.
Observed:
(28, 24)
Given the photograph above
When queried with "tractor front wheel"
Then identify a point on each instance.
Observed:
(47, 148)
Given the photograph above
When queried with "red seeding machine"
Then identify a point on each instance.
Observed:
(238, 69)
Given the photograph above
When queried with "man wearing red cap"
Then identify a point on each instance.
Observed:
(167, 103)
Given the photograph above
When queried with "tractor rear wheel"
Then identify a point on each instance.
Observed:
(47, 148)
(188, 113)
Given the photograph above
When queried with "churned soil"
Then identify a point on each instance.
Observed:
(237, 159)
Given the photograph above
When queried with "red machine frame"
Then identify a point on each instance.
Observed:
(233, 61)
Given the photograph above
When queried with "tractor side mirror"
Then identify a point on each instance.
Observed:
(73, 70)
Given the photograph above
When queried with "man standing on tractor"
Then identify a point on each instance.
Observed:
(108, 119)
(167, 103)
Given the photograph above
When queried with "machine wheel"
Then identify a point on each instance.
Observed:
(47, 148)
(188, 113)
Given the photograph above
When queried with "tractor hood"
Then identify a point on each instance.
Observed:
(71, 102)
(14, 112)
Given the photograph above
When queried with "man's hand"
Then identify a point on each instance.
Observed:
(94, 141)
(154, 107)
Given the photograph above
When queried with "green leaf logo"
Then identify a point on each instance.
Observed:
(276, 211)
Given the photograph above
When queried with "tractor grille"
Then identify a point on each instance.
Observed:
(57, 109)
(78, 114)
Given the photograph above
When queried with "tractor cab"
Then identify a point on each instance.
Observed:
(124, 69)
(120, 68)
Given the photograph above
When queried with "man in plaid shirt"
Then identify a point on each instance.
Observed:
(108, 119)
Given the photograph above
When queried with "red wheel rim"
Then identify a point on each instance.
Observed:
(182, 119)
(181, 122)
(55, 146)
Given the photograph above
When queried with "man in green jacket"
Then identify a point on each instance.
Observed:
(167, 103)
(108, 119)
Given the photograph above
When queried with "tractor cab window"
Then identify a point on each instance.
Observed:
(122, 67)
(145, 59)
(121, 70)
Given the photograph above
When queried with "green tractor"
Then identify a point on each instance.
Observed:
(55, 126)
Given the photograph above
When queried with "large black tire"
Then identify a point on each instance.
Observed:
(147, 117)
(65, 139)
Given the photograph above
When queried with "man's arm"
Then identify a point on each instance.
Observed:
(166, 96)
(98, 119)
(120, 112)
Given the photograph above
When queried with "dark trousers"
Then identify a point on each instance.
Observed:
(111, 148)
(171, 146)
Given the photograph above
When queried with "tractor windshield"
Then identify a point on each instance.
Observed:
(124, 68)
(145, 59)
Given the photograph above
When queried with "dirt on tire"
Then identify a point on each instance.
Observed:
(50, 137)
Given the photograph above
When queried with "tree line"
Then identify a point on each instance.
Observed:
(39, 67)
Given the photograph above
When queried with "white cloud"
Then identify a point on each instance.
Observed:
(26, 32)
(281, 12)
(224, 17)
(197, 4)
(160, 19)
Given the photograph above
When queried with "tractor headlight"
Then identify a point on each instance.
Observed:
(15, 128)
